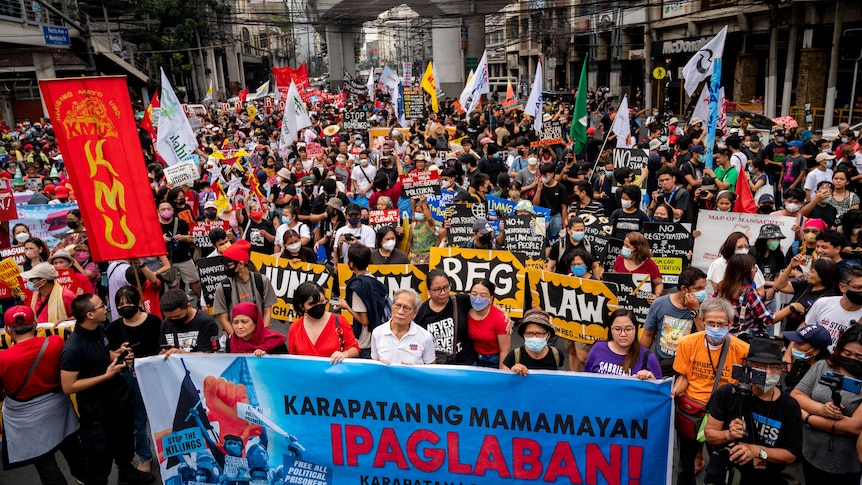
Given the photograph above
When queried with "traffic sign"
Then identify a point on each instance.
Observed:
(659, 73)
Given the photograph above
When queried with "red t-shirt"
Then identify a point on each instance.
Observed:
(298, 342)
(647, 267)
(16, 362)
(484, 332)
(393, 193)
(42, 317)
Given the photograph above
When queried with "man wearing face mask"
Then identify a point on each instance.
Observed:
(700, 372)
(50, 302)
(673, 316)
(529, 177)
(257, 230)
(774, 154)
(553, 195)
(822, 172)
(362, 177)
(759, 457)
(835, 312)
(483, 236)
(185, 329)
(241, 284)
(353, 233)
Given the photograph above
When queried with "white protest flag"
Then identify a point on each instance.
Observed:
(534, 102)
(390, 79)
(701, 109)
(175, 140)
(699, 67)
(260, 92)
(371, 86)
(476, 87)
(622, 126)
(209, 95)
(440, 93)
(295, 117)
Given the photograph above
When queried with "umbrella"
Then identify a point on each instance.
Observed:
(786, 121)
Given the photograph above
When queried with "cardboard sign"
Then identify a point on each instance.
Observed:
(715, 226)
(633, 291)
(268, 104)
(211, 273)
(597, 233)
(439, 204)
(185, 173)
(67, 279)
(225, 107)
(384, 132)
(8, 209)
(461, 218)
(420, 183)
(633, 158)
(314, 149)
(10, 274)
(201, 230)
(670, 245)
(380, 218)
(551, 134)
(285, 276)
(355, 120)
(15, 252)
(414, 103)
(579, 308)
(503, 268)
(523, 234)
(613, 248)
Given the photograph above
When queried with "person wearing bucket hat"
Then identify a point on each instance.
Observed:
(809, 344)
(536, 353)
(767, 252)
(759, 458)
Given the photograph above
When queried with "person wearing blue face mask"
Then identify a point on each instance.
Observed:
(809, 345)
(704, 362)
(536, 353)
(671, 317)
(573, 241)
(487, 326)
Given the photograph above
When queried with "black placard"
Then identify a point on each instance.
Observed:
(211, 273)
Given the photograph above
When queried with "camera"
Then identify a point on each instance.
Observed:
(837, 383)
(349, 237)
(746, 374)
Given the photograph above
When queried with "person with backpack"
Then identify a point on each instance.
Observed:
(536, 353)
(367, 300)
(242, 284)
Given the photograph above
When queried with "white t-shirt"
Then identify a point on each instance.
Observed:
(738, 160)
(300, 228)
(416, 347)
(715, 274)
(828, 313)
(814, 177)
(363, 176)
(366, 235)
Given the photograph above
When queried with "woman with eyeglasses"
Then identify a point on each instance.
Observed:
(621, 354)
(536, 353)
(445, 316)
(318, 332)
(487, 326)
(831, 432)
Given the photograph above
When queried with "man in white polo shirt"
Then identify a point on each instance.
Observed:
(400, 340)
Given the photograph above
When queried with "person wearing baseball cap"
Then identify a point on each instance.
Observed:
(795, 166)
(242, 283)
(536, 353)
(483, 236)
(38, 418)
(49, 301)
(809, 344)
(820, 172)
(777, 442)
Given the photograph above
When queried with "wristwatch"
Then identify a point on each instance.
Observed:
(693, 314)
(763, 454)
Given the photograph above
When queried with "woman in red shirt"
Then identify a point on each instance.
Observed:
(636, 257)
(319, 333)
(487, 326)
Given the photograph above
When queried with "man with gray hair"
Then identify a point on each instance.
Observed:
(401, 340)
(704, 361)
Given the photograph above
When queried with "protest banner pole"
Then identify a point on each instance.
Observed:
(598, 157)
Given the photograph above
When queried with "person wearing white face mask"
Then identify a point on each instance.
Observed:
(755, 457)
(529, 177)
(386, 252)
(536, 353)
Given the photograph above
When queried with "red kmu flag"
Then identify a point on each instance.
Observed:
(95, 129)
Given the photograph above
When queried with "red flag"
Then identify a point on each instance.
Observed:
(243, 94)
(96, 133)
(744, 198)
(284, 75)
(147, 120)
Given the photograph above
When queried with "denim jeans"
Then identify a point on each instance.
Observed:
(142, 438)
(491, 361)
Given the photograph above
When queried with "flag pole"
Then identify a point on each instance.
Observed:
(598, 157)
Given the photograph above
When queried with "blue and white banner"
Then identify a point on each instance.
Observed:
(300, 420)
(45, 221)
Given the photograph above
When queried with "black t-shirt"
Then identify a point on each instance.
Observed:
(391, 173)
(802, 293)
(86, 352)
(680, 199)
(554, 198)
(624, 223)
(556, 254)
(198, 335)
(178, 251)
(827, 213)
(252, 234)
(545, 363)
(442, 327)
(690, 168)
(318, 206)
(278, 192)
(396, 257)
(778, 424)
(144, 339)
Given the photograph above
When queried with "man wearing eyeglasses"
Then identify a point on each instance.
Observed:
(758, 457)
(90, 369)
(704, 362)
(400, 340)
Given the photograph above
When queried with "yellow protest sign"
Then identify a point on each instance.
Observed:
(373, 133)
(252, 111)
(393, 276)
(578, 307)
(285, 276)
(44, 330)
(9, 274)
(504, 269)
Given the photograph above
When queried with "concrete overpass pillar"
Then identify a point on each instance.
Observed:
(339, 46)
(43, 62)
(448, 58)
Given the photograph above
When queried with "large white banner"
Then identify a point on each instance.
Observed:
(715, 226)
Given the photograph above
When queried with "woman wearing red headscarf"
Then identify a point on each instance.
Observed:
(251, 336)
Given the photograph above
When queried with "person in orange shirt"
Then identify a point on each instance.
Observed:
(704, 362)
